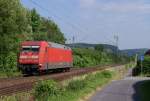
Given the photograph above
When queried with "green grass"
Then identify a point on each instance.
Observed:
(9, 74)
(145, 91)
(18, 97)
(77, 89)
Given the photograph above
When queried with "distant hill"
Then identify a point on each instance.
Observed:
(110, 48)
(132, 52)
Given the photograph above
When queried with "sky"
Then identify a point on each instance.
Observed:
(98, 21)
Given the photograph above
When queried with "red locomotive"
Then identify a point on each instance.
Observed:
(40, 56)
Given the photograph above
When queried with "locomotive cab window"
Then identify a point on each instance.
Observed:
(30, 48)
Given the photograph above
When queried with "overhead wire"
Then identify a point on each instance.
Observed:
(105, 37)
(68, 16)
(66, 21)
(59, 18)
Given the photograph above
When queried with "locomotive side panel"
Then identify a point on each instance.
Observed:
(42, 56)
(59, 58)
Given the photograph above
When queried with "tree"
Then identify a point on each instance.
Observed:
(12, 17)
(99, 48)
(49, 31)
(35, 21)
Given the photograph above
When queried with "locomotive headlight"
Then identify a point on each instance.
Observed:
(23, 57)
(40, 64)
(35, 57)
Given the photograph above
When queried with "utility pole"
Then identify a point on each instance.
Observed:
(73, 41)
(142, 59)
(136, 59)
(116, 37)
(69, 41)
(141, 67)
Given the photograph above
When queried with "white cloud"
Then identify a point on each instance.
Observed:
(128, 7)
(87, 3)
(125, 7)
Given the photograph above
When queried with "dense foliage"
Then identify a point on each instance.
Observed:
(46, 88)
(18, 24)
(146, 66)
(90, 57)
(145, 70)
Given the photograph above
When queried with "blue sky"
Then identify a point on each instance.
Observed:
(97, 21)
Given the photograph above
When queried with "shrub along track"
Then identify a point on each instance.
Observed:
(10, 86)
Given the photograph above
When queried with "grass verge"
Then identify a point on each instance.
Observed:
(72, 91)
(78, 88)
(9, 74)
(18, 97)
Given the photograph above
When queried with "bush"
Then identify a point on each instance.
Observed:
(107, 74)
(86, 57)
(46, 88)
(10, 68)
(76, 85)
(146, 66)
(90, 57)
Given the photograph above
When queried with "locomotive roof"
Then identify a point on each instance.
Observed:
(51, 44)
(25, 43)
(56, 45)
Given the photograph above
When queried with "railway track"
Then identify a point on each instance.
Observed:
(23, 84)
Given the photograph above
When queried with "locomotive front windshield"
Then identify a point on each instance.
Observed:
(30, 48)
